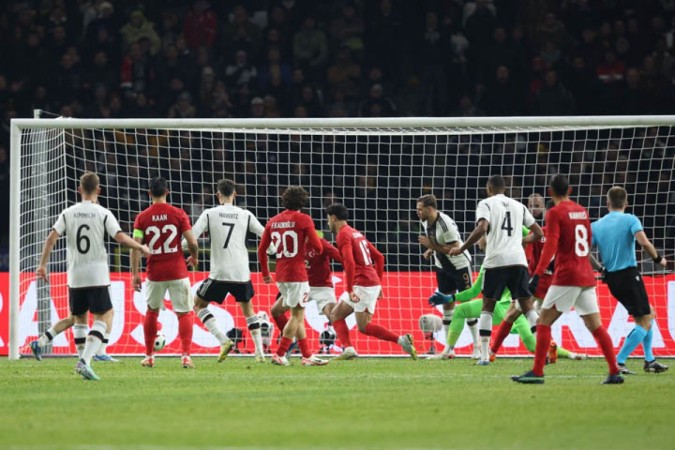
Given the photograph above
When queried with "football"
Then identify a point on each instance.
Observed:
(160, 341)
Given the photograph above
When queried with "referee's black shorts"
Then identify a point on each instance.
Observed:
(627, 287)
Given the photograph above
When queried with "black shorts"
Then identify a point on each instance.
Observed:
(451, 281)
(515, 278)
(628, 288)
(93, 299)
(216, 291)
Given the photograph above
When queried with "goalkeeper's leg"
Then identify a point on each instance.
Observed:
(463, 311)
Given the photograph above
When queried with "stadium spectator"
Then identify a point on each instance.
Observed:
(139, 27)
(553, 99)
(240, 33)
(201, 25)
(344, 74)
(310, 47)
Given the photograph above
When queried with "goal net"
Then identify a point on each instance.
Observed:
(377, 168)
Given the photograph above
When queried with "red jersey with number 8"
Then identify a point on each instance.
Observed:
(568, 238)
(162, 226)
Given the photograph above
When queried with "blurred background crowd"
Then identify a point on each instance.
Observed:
(351, 58)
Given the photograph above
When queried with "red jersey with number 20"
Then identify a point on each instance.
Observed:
(568, 238)
(161, 226)
(363, 263)
(288, 230)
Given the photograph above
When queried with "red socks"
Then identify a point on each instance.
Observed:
(281, 322)
(342, 331)
(602, 337)
(185, 323)
(380, 333)
(502, 333)
(543, 342)
(304, 348)
(150, 331)
(284, 346)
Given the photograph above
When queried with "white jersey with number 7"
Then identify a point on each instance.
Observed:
(227, 226)
(504, 240)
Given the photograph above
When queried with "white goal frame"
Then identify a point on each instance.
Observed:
(363, 126)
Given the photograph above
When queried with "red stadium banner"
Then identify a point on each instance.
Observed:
(405, 295)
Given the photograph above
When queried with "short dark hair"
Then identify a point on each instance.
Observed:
(428, 200)
(338, 210)
(158, 186)
(89, 182)
(617, 197)
(497, 183)
(226, 187)
(294, 198)
(560, 185)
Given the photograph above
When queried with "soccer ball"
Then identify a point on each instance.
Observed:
(160, 341)
(430, 323)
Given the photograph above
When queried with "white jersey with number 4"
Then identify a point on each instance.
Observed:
(227, 226)
(85, 225)
(504, 240)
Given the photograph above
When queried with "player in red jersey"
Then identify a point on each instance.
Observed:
(364, 266)
(161, 226)
(322, 291)
(569, 239)
(288, 231)
(533, 254)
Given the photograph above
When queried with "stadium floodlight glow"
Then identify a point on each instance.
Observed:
(377, 167)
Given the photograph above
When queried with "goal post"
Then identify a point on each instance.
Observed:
(377, 167)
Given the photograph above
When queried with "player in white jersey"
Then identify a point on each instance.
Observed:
(453, 273)
(501, 219)
(228, 226)
(85, 225)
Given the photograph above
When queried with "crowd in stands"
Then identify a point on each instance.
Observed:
(351, 58)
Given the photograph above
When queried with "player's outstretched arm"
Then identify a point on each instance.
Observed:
(537, 233)
(124, 239)
(265, 242)
(477, 233)
(332, 252)
(50, 242)
(473, 291)
(193, 248)
(136, 264)
(647, 246)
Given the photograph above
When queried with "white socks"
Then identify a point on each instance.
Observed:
(94, 340)
(209, 322)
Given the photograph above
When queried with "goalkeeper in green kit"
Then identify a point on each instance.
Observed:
(470, 309)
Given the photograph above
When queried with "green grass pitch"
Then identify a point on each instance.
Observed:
(360, 404)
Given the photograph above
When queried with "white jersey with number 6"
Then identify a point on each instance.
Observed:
(227, 226)
(85, 225)
(504, 240)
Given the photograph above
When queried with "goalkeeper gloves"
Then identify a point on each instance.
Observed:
(440, 299)
(534, 282)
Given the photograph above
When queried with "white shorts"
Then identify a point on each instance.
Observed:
(564, 298)
(322, 296)
(179, 293)
(367, 298)
(294, 293)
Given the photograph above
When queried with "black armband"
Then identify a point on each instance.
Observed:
(657, 259)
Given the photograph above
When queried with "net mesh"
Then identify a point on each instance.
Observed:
(377, 172)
